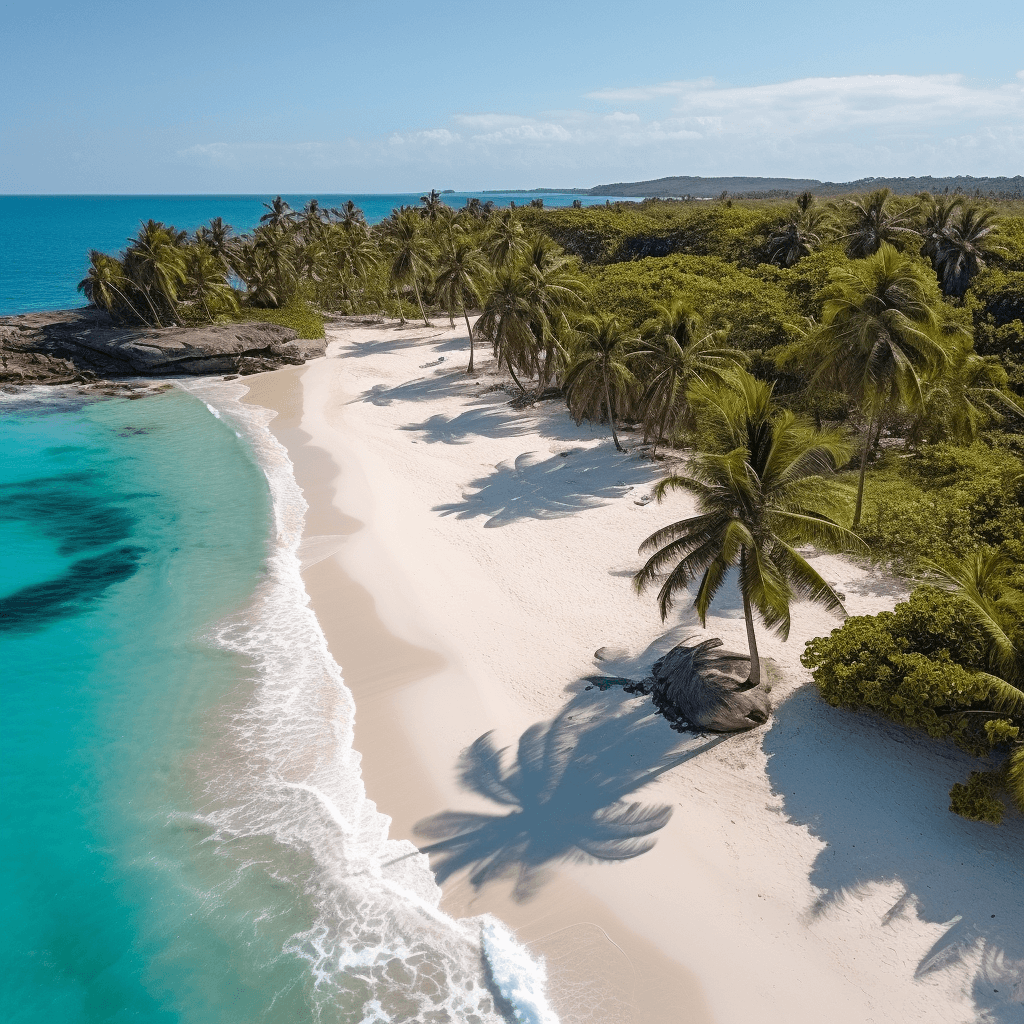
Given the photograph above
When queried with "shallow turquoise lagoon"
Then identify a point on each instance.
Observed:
(129, 528)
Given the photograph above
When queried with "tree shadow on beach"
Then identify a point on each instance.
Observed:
(430, 339)
(537, 485)
(420, 389)
(565, 793)
(877, 794)
(478, 421)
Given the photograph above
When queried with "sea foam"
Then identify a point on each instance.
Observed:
(378, 948)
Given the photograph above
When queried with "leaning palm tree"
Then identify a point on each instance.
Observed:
(106, 286)
(878, 339)
(598, 372)
(960, 252)
(876, 222)
(679, 353)
(762, 490)
(155, 264)
(410, 252)
(460, 272)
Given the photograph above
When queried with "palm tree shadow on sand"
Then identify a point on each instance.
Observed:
(538, 485)
(565, 793)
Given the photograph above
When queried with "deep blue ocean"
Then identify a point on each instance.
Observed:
(45, 240)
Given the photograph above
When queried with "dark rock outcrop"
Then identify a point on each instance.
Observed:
(88, 342)
(709, 688)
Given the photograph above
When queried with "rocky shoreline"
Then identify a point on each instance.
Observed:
(85, 346)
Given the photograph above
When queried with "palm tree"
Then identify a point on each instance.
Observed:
(959, 253)
(878, 338)
(679, 353)
(155, 264)
(410, 251)
(459, 273)
(971, 392)
(266, 263)
(506, 241)
(939, 212)
(432, 204)
(557, 291)
(218, 239)
(507, 321)
(311, 221)
(761, 492)
(350, 216)
(206, 281)
(354, 254)
(598, 372)
(106, 286)
(800, 236)
(279, 214)
(875, 223)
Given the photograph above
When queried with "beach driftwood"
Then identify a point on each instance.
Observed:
(87, 341)
(709, 688)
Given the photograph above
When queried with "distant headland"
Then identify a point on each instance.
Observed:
(771, 188)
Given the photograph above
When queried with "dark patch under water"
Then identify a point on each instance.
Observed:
(72, 593)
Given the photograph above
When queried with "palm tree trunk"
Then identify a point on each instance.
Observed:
(878, 435)
(416, 289)
(469, 369)
(661, 428)
(863, 472)
(149, 301)
(508, 363)
(401, 313)
(754, 678)
(130, 306)
(611, 413)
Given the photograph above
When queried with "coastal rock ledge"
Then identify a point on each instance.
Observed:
(78, 345)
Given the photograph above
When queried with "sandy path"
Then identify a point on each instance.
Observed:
(466, 560)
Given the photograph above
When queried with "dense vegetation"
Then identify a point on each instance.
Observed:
(873, 345)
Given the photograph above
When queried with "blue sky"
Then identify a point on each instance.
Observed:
(342, 97)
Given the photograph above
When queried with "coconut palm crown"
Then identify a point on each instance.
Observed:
(762, 490)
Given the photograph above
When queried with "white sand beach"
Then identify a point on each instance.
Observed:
(466, 560)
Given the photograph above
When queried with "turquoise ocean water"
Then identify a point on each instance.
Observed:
(185, 836)
(45, 240)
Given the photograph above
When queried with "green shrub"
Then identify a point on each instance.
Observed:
(298, 314)
(976, 799)
(943, 502)
(754, 308)
(921, 666)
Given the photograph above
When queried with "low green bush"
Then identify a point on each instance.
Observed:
(943, 502)
(298, 314)
(922, 665)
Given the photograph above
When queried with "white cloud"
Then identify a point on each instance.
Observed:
(831, 128)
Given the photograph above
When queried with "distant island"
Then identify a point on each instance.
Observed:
(771, 188)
